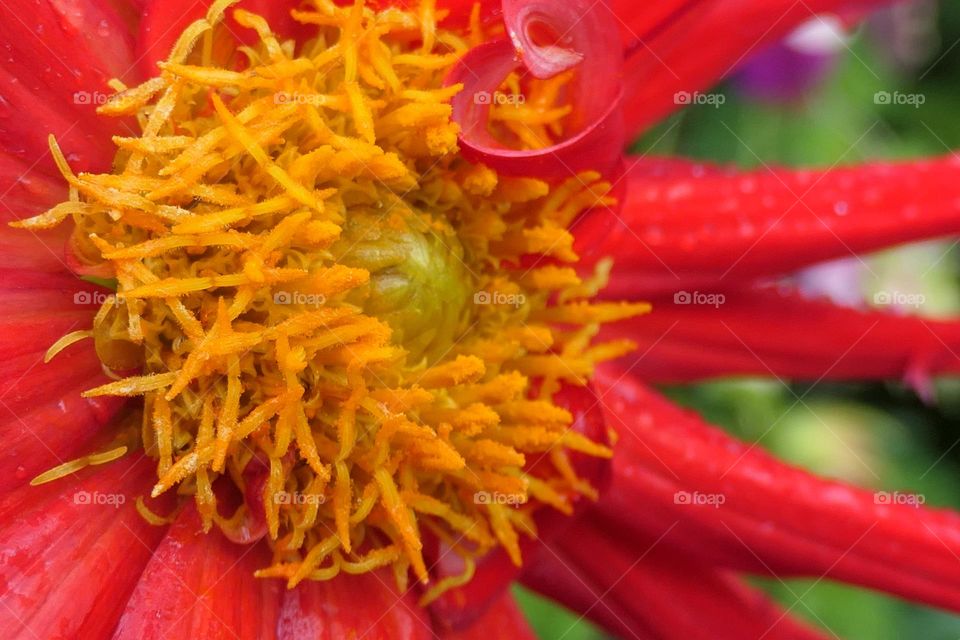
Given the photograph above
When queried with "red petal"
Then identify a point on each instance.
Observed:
(27, 190)
(692, 336)
(364, 606)
(697, 46)
(773, 517)
(200, 585)
(59, 56)
(73, 551)
(684, 224)
(26, 382)
(596, 118)
(503, 621)
(664, 594)
(57, 431)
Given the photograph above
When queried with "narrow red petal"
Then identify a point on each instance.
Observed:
(691, 486)
(503, 621)
(694, 335)
(695, 47)
(689, 224)
(553, 576)
(73, 551)
(200, 585)
(666, 595)
(365, 606)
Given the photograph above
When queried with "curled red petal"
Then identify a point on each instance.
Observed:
(652, 592)
(200, 585)
(73, 551)
(693, 335)
(575, 33)
(773, 518)
(689, 224)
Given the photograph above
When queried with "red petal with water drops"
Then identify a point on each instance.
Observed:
(662, 595)
(202, 586)
(73, 551)
(164, 21)
(686, 224)
(26, 382)
(694, 335)
(58, 430)
(711, 497)
(578, 41)
(26, 189)
(503, 621)
(365, 606)
(57, 60)
(695, 48)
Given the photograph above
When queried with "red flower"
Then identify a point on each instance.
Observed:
(683, 510)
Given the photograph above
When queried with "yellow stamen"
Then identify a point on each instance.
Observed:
(319, 289)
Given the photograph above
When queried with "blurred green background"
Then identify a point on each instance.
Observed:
(876, 435)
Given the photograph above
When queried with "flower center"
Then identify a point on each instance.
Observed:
(324, 307)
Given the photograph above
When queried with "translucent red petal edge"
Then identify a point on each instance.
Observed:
(580, 42)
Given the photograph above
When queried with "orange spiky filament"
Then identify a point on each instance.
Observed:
(313, 281)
